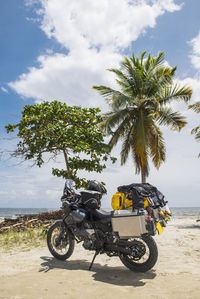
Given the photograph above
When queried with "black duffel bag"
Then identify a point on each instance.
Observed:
(139, 191)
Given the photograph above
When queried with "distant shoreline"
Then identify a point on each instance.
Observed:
(177, 212)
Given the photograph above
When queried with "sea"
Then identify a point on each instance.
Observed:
(14, 212)
(177, 212)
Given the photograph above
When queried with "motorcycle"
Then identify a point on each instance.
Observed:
(123, 233)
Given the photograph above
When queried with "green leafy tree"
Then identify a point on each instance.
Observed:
(196, 131)
(140, 106)
(54, 127)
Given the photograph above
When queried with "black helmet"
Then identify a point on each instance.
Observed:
(97, 186)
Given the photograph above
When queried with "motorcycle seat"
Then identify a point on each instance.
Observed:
(99, 214)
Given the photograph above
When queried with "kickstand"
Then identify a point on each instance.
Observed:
(96, 253)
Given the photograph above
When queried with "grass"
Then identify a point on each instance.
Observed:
(24, 240)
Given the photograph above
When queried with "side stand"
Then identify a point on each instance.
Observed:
(96, 253)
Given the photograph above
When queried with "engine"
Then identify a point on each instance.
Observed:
(91, 241)
(90, 237)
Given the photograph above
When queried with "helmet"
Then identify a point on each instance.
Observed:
(97, 186)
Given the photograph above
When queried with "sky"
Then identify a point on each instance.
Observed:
(59, 49)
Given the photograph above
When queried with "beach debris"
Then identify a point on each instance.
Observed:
(29, 221)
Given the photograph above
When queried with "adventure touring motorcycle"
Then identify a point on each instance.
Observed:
(139, 212)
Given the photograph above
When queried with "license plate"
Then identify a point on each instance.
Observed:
(159, 228)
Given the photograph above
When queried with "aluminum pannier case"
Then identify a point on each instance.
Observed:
(128, 224)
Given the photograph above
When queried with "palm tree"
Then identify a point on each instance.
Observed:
(196, 107)
(140, 106)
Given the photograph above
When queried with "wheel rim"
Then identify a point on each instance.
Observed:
(63, 246)
(140, 252)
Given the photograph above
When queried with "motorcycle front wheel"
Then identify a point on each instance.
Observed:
(144, 254)
(60, 241)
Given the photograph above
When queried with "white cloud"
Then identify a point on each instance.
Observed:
(113, 23)
(4, 89)
(93, 34)
(29, 186)
(67, 78)
(194, 82)
(195, 56)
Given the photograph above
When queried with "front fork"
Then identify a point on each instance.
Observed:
(63, 229)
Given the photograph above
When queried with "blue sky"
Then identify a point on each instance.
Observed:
(59, 49)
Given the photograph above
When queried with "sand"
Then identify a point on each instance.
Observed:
(34, 273)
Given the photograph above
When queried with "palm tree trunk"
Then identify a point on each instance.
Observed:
(143, 176)
(67, 164)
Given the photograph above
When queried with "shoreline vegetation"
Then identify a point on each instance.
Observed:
(27, 230)
(29, 221)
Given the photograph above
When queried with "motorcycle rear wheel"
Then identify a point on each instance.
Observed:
(146, 259)
(60, 241)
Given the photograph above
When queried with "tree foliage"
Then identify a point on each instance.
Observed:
(54, 127)
(196, 131)
(140, 106)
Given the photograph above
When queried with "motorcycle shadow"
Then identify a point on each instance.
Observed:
(105, 273)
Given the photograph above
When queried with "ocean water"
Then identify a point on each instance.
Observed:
(177, 212)
(192, 212)
(10, 212)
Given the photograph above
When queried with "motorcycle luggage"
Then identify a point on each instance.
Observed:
(75, 217)
(119, 201)
(88, 194)
(128, 224)
(139, 191)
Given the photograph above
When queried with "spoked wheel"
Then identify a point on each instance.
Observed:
(60, 241)
(144, 254)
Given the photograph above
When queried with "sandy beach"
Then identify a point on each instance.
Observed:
(34, 273)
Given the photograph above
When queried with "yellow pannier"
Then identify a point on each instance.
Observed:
(119, 202)
(146, 203)
(128, 204)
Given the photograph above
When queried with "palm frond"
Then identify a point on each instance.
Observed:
(113, 119)
(174, 120)
(195, 107)
(197, 136)
(142, 57)
(119, 74)
(112, 95)
(140, 165)
(155, 82)
(173, 70)
(139, 135)
(157, 146)
(126, 146)
(152, 63)
(176, 93)
(196, 132)
(105, 91)
(132, 72)
(121, 130)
